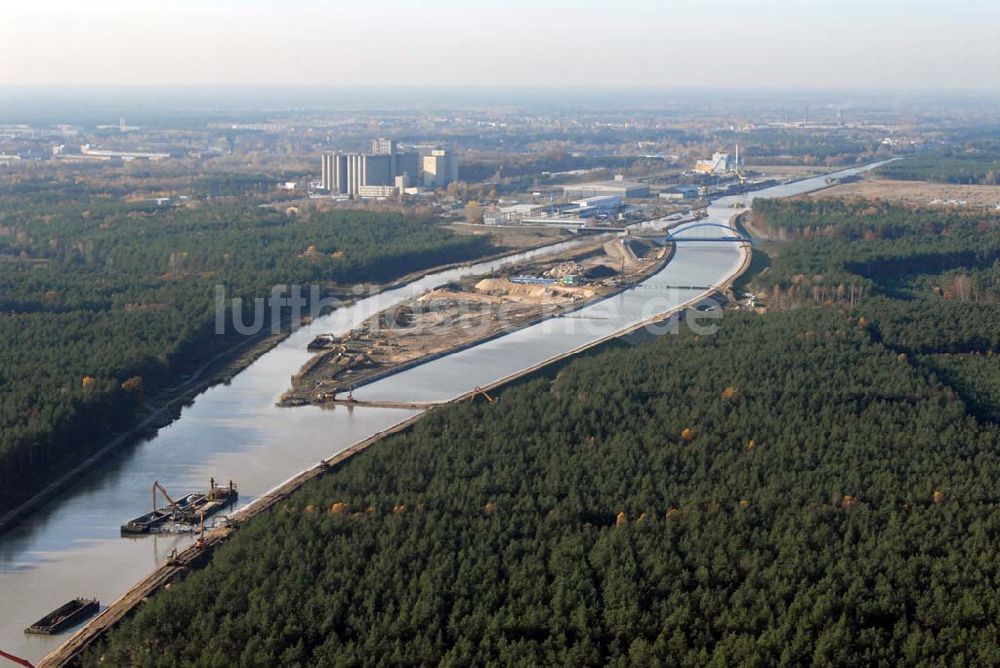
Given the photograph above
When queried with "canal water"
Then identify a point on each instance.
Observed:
(235, 431)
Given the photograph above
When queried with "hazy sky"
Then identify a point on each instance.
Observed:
(881, 44)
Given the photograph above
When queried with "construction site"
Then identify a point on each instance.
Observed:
(471, 311)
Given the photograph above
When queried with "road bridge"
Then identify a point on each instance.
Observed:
(731, 234)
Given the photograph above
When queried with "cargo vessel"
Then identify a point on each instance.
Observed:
(66, 615)
(184, 513)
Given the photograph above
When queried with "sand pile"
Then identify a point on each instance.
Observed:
(541, 293)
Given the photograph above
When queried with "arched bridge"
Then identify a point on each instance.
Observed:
(733, 235)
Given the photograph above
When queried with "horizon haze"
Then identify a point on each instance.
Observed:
(844, 45)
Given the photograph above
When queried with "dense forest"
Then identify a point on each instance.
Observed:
(964, 169)
(103, 302)
(843, 250)
(815, 485)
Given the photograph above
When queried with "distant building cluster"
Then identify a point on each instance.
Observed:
(386, 171)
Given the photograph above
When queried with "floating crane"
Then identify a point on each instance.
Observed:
(185, 510)
(163, 491)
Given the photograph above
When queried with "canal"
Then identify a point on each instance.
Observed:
(235, 431)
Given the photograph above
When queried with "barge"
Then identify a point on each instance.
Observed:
(186, 512)
(66, 615)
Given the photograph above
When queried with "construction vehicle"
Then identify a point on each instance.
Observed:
(479, 390)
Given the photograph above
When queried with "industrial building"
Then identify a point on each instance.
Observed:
(619, 187)
(681, 192)
(719, 165)
(440, 169)
(368, 170)
(408, 165)
(334, 175)
(508, 215)
(365, 174)
(383, 146)
(377, 192)
(566, 212)
(125, 156)
(602, 202)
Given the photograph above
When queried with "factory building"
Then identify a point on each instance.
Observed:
(719, 165)
(383, 146)
(368, 174)
(619, 187)
(377, 192)
(602, 202)
(125, 156)
(408, 165)
(681, 192)
(440, 168)
(370, 170)
(334, 176)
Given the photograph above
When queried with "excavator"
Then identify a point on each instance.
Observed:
(158, 486)
(479, 390)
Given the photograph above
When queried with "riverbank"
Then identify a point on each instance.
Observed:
(164, 407)
(161, 410)
(199, 554)
(472, 311)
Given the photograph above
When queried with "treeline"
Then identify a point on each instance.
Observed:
(843, 250)
(767, 146)
(788, 491)
(925, 283)
(103, 302)
(974, 170)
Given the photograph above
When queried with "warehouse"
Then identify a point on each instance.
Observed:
(620, 187)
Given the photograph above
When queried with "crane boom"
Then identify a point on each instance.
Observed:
(16, 659)
(158, 486)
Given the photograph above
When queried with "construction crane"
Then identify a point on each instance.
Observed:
(16, 659)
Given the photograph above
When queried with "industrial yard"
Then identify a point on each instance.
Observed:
(470, 311)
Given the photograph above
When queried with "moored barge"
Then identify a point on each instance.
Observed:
(66, 615)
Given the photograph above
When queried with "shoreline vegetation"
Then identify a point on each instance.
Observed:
(149, 389)
(165, 408)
